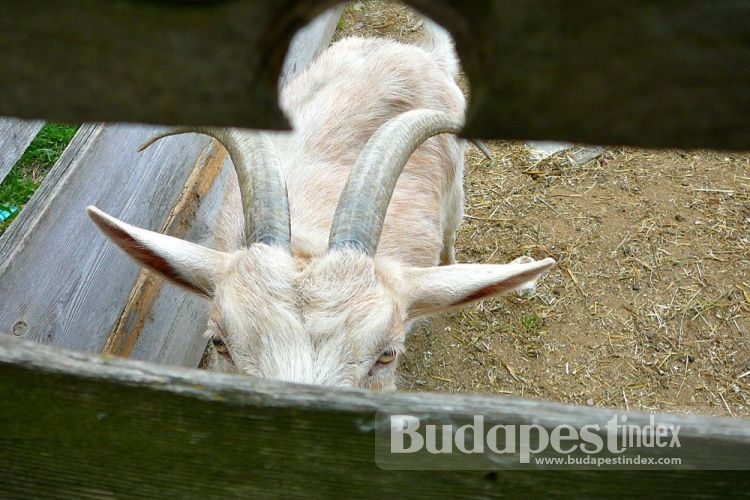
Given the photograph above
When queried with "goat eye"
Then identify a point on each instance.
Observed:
(386, 357)
(220, 346)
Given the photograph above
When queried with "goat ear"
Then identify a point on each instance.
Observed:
(430, 290)
(186, 264)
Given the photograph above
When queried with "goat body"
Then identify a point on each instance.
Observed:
(313, 281)
(335, 106)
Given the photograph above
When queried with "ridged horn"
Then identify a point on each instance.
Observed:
(359, 216)
(264, 197)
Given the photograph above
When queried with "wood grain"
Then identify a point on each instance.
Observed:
(654, 74)
(165, 324)
(673, 73)
(205, 62)
(76, 425)
(15, 137)
(68, 282)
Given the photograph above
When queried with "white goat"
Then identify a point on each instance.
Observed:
(327, 260)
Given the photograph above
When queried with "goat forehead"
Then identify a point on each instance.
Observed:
(336, 299)
(349, 303)
(347, 291)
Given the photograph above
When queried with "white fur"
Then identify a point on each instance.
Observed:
(326, 317)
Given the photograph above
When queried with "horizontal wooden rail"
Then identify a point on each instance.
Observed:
(77, 425)
(666, 73)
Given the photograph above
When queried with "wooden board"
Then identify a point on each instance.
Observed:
(666, 73)
(81, 426)
(73, 288)
(160, 322)
(15, 137)
(206, 62)
(670, 73)
(62, 281)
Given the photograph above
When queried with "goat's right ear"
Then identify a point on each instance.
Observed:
(186, 264)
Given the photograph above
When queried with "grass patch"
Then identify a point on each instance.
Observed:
(29, 171)
(531, 324)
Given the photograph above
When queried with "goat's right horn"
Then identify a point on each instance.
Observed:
(359, 217)
(264, 197)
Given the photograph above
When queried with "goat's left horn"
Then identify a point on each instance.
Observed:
(358, 220)
(264, 197)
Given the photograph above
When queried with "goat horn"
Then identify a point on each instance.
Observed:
(264, 197)
(358, 221)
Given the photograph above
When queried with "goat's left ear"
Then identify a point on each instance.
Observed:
(430, 290)
(186, 264)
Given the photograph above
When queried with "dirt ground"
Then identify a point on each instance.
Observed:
(649, 306)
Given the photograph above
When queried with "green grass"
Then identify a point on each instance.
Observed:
(29, 171)
(531, 324)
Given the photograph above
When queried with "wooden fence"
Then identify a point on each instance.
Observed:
(83, 425)
(76, 425)
(678, 70)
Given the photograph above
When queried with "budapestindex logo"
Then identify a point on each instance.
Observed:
(410, 443)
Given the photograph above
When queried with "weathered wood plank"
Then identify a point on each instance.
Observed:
(15, 137)
(161, 322)
(87, 426)
(213, 63)
(175, 320)
(62, 281)
(668, 73)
